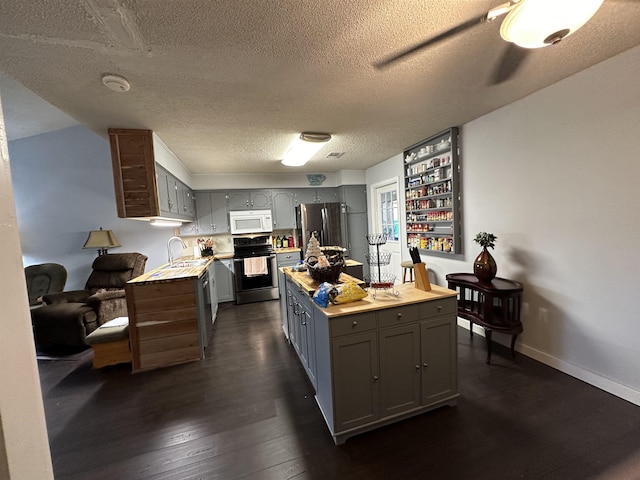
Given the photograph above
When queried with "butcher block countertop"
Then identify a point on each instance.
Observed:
(165, 273)
(408, 294)
(288, 250)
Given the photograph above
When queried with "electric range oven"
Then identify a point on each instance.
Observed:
(255, 268)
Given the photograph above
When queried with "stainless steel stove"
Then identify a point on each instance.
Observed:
(255, 267)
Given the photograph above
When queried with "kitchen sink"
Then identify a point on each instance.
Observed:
(188, 263)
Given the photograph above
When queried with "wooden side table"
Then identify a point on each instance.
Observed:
(494, 306)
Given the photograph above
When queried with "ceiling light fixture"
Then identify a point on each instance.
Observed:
(116, 83)
(160, 222)
(535, 24)
(304, 147)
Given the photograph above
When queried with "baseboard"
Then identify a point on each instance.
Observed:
(598, 381)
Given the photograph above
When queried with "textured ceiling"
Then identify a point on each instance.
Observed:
(226, 84)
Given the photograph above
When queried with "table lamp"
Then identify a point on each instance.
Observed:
(102, 240)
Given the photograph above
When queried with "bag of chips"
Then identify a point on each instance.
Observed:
(322, 294)
(346, 292)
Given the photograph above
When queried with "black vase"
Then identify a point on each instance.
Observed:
(484, 266)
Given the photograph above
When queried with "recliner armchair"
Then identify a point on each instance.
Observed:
(42, 279)
(68, 317)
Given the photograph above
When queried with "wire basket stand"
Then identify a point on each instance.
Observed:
(380, 280)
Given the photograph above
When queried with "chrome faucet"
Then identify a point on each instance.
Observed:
(170, 253)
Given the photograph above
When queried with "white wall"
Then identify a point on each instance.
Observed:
(24, 447)
(63, 188)
(555, 176)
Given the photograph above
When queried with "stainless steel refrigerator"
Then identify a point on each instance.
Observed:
(328, 221)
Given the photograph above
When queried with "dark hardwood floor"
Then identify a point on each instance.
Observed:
(248, 412)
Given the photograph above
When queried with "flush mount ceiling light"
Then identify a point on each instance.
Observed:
(116, 83)
(538, 23)
(159, 222)
(304, 147)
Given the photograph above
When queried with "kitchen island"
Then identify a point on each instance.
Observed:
(375, 361)
(171, 312)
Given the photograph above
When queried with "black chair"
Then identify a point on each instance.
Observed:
(68, 317)
(42, 279)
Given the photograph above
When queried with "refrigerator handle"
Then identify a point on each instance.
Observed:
(325, 225)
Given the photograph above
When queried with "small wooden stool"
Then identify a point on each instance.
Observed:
(110, 343)
(407, 267)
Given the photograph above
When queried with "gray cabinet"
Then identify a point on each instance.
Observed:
(354, 197)
(399, 369)
(358, 247)
(211, 209)
(223, 271)
(283, 211)
(162, 179)
(186, 201)
(174, 197)
(301, 327)
(315, 195)
(355, 380)
(385, 364)
(288, 259)
(249, 199)
(438, 344)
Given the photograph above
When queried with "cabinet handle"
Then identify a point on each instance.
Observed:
(425, 364)
(355, 324)
(375, 378)
(399, 315)
(417, 367)
(439, 307)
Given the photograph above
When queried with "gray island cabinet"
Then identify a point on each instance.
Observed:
(377, 361)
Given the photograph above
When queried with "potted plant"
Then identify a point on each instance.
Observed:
(484, 266)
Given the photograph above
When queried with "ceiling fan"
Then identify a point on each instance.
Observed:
(528, 24)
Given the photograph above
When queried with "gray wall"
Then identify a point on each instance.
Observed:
(63, 188)
(555, 177)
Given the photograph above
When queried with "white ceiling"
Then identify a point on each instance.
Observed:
(226, 84)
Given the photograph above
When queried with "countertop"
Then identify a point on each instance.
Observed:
(164, 273)
(304, 281)
(288, 250)
(408, 294)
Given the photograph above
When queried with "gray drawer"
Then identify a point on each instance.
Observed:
(398, 315)
(288, 259)
(434, 308)
(361, 322)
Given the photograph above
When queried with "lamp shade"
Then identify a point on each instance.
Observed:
(304, 148)
(102, 240)
(538, 23)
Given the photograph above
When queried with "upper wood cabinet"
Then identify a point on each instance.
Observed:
(143, 188)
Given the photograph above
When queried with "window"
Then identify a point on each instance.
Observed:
(388, 202)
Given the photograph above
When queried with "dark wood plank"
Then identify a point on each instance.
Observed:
(247, 411)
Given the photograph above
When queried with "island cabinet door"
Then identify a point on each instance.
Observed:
(439, 357)
(294, 321)
(399, 369)
(355, 380)
(308, 350)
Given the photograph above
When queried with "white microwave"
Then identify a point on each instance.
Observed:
(250, 221)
